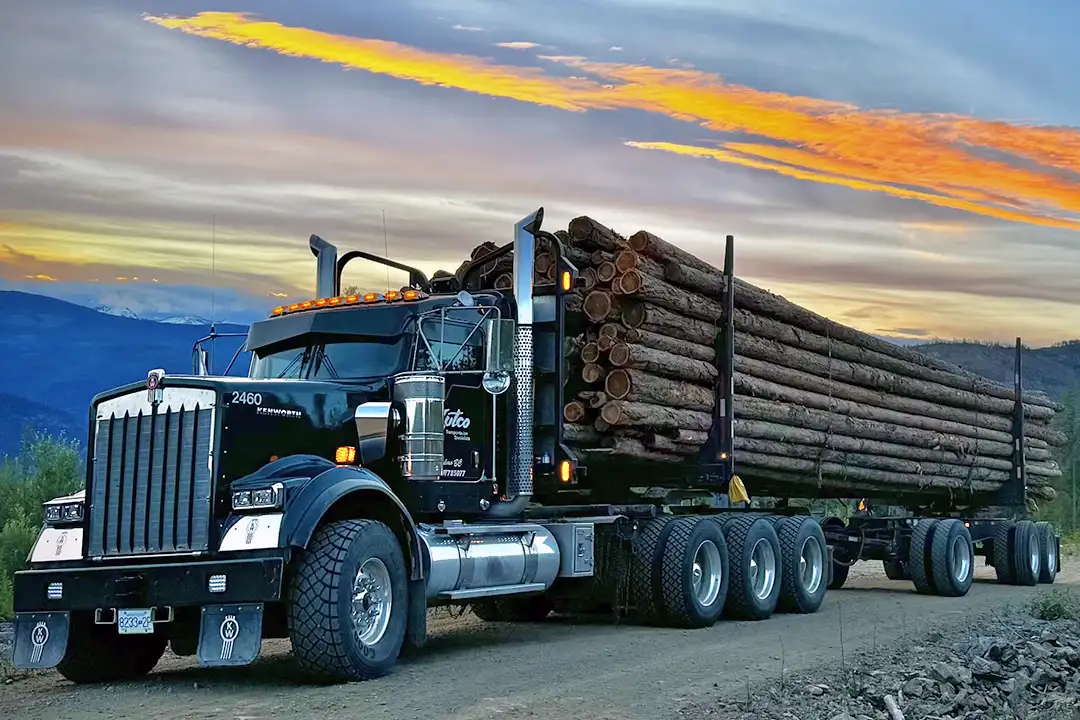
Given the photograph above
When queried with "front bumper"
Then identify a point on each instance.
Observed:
(247, 580)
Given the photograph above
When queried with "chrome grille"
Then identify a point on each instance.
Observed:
(151, 481)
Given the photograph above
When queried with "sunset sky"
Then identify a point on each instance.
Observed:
(912, 169)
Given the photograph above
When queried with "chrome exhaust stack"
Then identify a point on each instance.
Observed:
(326, 257)
(519, 486)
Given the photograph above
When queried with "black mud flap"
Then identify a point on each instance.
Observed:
(230, 634)
(829, 567)
(40, 639)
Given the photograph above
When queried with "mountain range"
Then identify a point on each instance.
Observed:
(59, 355)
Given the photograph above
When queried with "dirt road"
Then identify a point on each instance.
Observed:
(559, 668)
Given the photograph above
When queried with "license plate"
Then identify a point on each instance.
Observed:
(135, 622)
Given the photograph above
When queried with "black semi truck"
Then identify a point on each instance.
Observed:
(391, 452)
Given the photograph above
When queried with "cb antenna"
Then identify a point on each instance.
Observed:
(386, 249)
(213, 284)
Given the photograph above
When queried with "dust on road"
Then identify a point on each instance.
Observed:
(472, 670)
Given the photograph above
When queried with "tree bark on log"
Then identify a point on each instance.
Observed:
(761, 302)
(857, 374)
(766, 430)
(651, 246)
(755, 387)
(659, 362)
(581, 258)
(653, 318)
(670, 344)
(674, 298)
(767, 481)
(638, 386)
(789, 335)
(862, 460)
(630, 447)
(814, 383)
(578, 434)
(654, 417)
(666, 444)
(882, 478)
(687, 436)
(784, 414)
(590, 234)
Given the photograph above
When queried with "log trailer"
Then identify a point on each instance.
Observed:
(392, 452)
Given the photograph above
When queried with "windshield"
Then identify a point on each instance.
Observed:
(372, 357)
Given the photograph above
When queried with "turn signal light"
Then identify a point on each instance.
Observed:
(567, 280)
(564, 471)
(345, 455)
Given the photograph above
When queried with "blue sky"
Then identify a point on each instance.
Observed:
(832, 138)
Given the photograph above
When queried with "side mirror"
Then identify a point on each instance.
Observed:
(498, 346)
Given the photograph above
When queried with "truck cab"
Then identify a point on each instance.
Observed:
(394, 437)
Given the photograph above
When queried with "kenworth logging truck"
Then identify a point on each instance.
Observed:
(391, 452)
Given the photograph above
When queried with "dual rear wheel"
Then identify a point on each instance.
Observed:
(691, 571)
(1025, 553)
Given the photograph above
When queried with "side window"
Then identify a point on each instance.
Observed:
(449, 345)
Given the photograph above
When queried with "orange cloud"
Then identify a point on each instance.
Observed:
(40, 276)
(922, 157)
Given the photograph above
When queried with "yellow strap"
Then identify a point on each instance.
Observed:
(737, 491)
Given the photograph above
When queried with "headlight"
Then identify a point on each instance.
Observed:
(69, 512)
(259, 499)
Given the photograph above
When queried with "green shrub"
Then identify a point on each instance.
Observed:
(48, 467)
(1057, 604)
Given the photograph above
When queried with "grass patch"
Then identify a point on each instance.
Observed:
(1070, 544)
(1057, 604)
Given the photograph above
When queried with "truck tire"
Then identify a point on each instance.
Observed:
(692, 573)
(803, 555)
(348, 602)
(1027, 554)
(896, 569)
(648, 550)
(1048, 559)
(97, 653)
(922, 575)
(952, 558)
(839, 575)
(754, 568)
(513, 609)
(1003, 552)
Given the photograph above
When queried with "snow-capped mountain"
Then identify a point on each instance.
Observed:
(185, 320)
(118, 311)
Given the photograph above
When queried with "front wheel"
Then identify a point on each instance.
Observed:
(97, 653)
(348, 602)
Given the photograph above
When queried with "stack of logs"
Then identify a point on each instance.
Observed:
(819, 407)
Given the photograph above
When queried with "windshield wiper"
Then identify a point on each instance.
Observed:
(323, 359)
(301, 359)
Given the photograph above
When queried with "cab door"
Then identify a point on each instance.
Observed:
(453, 345)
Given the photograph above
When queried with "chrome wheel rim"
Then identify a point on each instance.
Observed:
(811, 564)
(707, 574)
(1034, 555)
(372, 600)
(762, 569)
(961, 559)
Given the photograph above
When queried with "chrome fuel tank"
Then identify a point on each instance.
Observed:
(474, 561)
